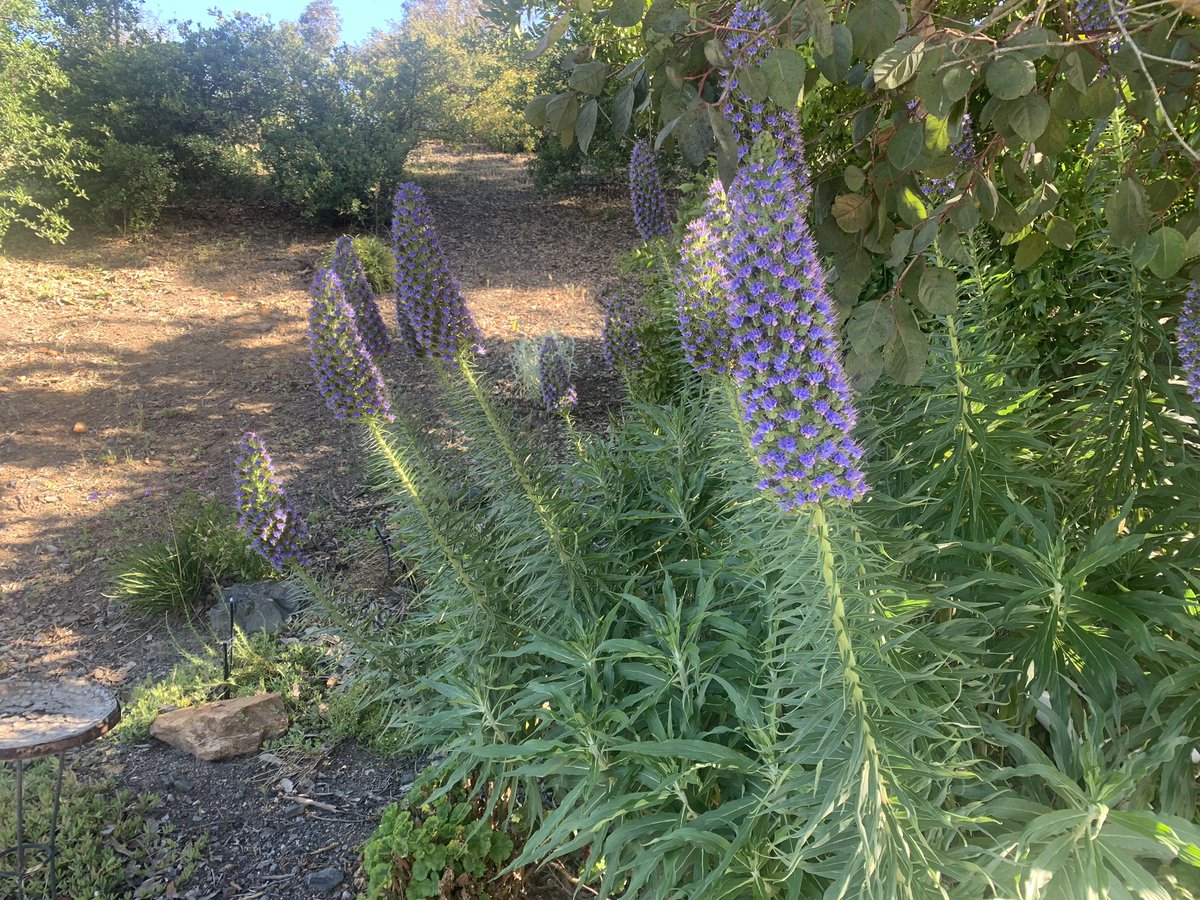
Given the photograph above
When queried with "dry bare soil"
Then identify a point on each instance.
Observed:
(128, 370)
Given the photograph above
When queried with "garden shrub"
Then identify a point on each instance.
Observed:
(433, 842)
(133, 184)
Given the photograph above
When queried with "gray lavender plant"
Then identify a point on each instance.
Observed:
(650, 213)
(702, 287)
(554, 377)
(1188, 340)
(266, 518)
(620, 346)
(349, 270)
(794, 394)
(347, 376)
(427, 296)
(747, 47)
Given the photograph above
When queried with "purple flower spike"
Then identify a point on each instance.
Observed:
(620, 345)
(794, 393)
(1189, 340)
(427, 296)
(558, 393)
(1095, 16)
(963, 151)
(650, 213)
(347, 377)
(267, 520)
(751, 119)
(702, 301)
(349, 269)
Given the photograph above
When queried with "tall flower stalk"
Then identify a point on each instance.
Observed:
(795, 397)
(427, 296)
(650, 213)
(1188, 338)
(349, 269)
(265, 517)
(702, 287)
(554, 377)
(347, 376)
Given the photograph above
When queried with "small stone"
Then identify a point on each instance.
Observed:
(80, 428)
(182, 785)
(324, 880)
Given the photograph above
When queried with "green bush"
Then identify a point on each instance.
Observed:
(422, 843)
(377, 261)
(132, 185)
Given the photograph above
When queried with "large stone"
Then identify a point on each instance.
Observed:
(257, 606)
(223, 728)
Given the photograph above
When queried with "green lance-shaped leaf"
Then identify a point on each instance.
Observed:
(1010, 77)
(836, 63)
(585, 124)
(588, 78)
(870, 326)
(561, 111)
(535, 111)
(905, 354)
(899, 63)
(551, 35)
(905, 148)
(820, 26)
(665, 17)
(874, 24)
(623, 110)
(938, 291)
(1061, 233)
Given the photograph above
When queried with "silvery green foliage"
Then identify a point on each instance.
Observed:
(554, 376)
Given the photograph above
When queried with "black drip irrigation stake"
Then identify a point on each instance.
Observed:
(387, 547)
(229, 647)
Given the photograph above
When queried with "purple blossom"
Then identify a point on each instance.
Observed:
(964, 152)
(347, 377)
(702, 287)
(1095, 16)
(1188, 338)
(794, 393)
(751, 119)
(266, 518)
(558, 393)
(620, 344)
(650, 213)
(348, 267)
(427, 296)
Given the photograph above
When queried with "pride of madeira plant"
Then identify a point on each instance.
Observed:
(702, 652)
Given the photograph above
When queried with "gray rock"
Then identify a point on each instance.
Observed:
(257, 606)
(324, 880)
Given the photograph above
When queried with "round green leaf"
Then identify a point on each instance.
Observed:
(1010, 77)
(585, 124)
(535, 111)
(855, 178)
(588, 78)
(1028, 116)
(906, 146)
(626, 13)
(835, 65)
(1061, 233)
(870, 326)
(1168, 251)
(938, 291)
(852, 212)
(1127, 213)
(1029, 251)
(874, 24)
(784, 70)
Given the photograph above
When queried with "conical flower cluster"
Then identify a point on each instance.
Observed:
(650, 213)
(702, 287)
(751, 119)
(349, 269)
(427, 296)
(1095, 16)
(795, 395)
(620, 345)
(1189, 340)
(554, 377)
(265, 517)
(347, 377)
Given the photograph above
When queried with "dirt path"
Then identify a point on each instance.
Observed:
(166, 349)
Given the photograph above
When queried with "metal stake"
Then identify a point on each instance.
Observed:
(229, 647)
(20, 830)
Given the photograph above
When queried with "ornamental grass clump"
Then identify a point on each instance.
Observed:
(554, 376)
(650, 213)
(702, 283)
(427, 295)
(266, 518)
(348, 267)
(1188, 340)
(795, 397)
(347, 376)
